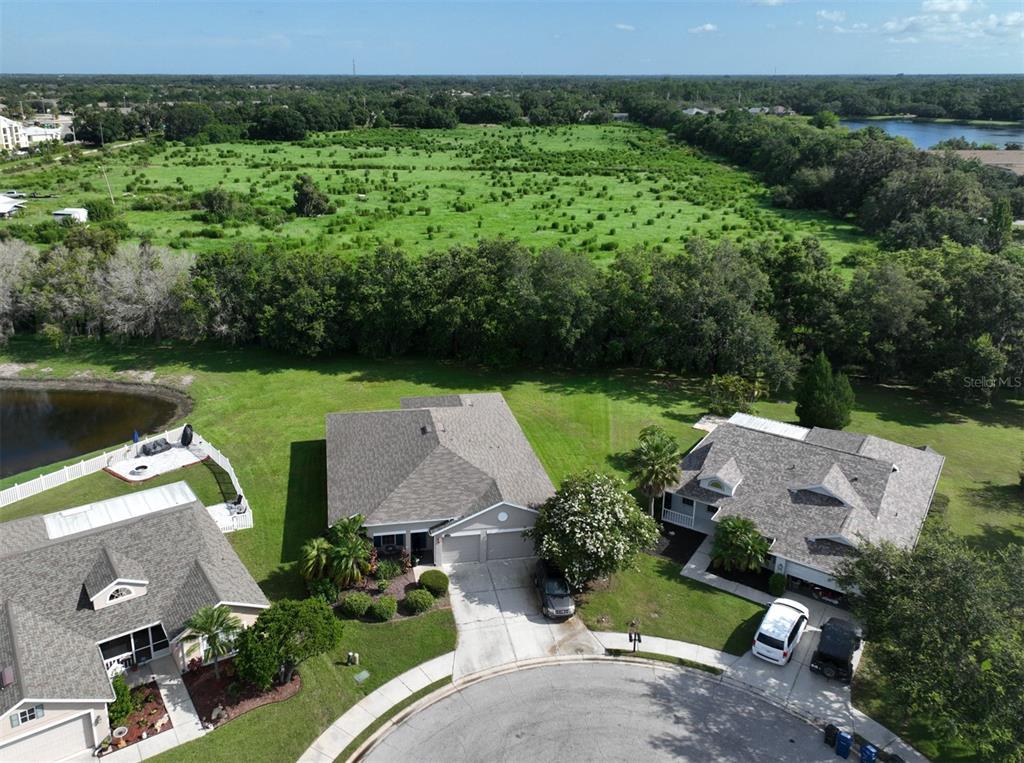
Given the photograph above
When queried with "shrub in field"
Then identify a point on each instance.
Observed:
(435, 581)
(777, 584)
(418, 600)
(355, 604)
(384, 608)
(325, 588)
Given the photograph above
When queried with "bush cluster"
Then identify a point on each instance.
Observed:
(384, 608)
(355, 604)
(418, 600)
(388, 569)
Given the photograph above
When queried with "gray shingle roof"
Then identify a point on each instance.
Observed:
(810, 495)
(49, 630)
(436, 458)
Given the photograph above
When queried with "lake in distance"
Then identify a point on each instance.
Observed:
(39, 427)
(927, 134)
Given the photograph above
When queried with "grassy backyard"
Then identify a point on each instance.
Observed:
(266, 413)
(668, 605)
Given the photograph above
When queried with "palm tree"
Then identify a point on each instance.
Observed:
(654, 463)
(738, 545)
(349, 527)
(350, 560)
(218, 626)
(315, 558)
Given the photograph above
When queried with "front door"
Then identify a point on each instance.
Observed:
(422, 548)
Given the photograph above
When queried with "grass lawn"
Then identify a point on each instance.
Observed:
(283, 731)
(587, 188)
(207, 480)
(266, 411)
(671, 606)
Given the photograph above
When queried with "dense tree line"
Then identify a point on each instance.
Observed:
(909, 198)
(942, 316)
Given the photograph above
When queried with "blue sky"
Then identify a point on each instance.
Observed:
(522, 37)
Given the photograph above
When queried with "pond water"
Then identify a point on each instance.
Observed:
(927, 134)
(39, 427)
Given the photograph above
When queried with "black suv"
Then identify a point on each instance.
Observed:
(555, 597)
(834, 656)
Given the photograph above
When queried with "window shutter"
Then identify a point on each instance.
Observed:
(39, 711)
(14, 720)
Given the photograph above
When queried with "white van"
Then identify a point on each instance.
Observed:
(780, 631)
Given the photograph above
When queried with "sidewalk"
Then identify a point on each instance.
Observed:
(357, 718)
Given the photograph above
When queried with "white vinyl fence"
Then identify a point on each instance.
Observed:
(98, 463)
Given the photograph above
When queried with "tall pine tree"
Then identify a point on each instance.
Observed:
(823, 399)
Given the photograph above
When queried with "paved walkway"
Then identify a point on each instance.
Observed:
(498, 616)
(336, 738)
(185, 722)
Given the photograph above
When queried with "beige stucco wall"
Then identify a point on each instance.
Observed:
(55, 713)
(186, 648)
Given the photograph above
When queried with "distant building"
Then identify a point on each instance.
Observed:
(620, 116)
(12, 137)
(782, 111)
(693, 111)
(36, 135)
(76, 214)
(758, 110)
(9, 205)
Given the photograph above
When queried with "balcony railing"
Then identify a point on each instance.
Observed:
(117, 665)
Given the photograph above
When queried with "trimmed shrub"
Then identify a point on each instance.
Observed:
(418, 600)
(384, 608)
(356, 604)
(388, 569)
(435, 581)
(777, 584)
(324, 588)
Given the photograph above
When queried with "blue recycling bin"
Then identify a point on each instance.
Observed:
(868, 753)
(844, 743)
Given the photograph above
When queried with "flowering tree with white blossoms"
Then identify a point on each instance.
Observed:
(591, 528)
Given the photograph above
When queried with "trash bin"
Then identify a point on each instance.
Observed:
(896, 759)
(830, 735)
(844, 743)
(868, 753)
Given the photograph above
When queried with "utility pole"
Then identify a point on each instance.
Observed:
(353, 66)
(107, 181)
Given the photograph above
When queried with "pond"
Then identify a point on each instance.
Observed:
(41, 426)
(927, 134)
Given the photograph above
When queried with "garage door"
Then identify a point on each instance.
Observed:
(61, 741)
(508, 545)
(461, 548)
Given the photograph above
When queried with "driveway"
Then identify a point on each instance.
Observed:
(602, 711)
(498, 616)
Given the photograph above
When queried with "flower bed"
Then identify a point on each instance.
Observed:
(209, 692)
(150, 719)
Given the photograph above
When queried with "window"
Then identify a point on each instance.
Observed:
(687, 501)
(715, 485)
(119, 593)
(26, 715)
(388, 540)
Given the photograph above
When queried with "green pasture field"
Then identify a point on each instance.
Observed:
(585, 188)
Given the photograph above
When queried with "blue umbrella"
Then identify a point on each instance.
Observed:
(135, 436)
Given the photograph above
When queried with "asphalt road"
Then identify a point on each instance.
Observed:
(601, 711)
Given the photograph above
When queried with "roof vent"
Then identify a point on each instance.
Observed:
(424, 429)
(7, 677)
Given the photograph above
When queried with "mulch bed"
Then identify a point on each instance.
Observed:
(678, 543)
(397, 587)
(208, 692)
(142, 721)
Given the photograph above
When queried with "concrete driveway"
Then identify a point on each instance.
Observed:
(497, 612)
(794, 685)
(607, 711)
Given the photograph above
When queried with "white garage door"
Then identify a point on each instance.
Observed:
(59, 742)
(460, 548)
(508, 545)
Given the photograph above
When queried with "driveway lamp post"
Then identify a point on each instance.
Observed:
(634, 634)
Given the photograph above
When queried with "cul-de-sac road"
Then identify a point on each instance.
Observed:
(601, 711)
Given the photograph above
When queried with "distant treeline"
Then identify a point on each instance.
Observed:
(907, 197)
(252, 106)
(951, 316)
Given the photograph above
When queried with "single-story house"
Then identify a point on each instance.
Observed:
(78, 607)
(8, 205)
(693, 111)
(814, 493)
(449, 478)
(75, 214)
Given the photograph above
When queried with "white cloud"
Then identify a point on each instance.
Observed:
(833, 16)
(945, 6)
(770, 3)
(953, 27)
(703, 29)
(626, 27)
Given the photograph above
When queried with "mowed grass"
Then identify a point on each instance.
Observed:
(586, 188)
(283, 731)
(208, 481)
(668, 605)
